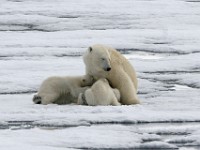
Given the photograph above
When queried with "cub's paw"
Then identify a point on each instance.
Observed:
(37, 99)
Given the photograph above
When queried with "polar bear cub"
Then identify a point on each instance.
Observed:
(100, 94)
(62, 90)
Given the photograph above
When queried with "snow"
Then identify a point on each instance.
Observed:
(45, 38)
(116, 136)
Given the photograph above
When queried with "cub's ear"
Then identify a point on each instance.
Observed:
(90, 49)
(104, 80)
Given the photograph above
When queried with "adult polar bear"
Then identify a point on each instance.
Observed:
(105, 62)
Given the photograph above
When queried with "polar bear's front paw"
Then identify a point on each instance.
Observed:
(37, 99)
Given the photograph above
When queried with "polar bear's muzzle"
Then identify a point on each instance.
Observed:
(108, 69)
(106, 65)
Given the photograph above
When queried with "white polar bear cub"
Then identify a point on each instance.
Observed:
(100, 94)
(62, 90)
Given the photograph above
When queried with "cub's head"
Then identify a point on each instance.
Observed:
(87, 80)
(102, 81)
(97, 59)
(105, 81)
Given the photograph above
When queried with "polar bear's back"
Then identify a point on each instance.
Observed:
(118, 58)
(102, 93)
(59, 84)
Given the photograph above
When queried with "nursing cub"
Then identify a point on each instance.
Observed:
(100, 94)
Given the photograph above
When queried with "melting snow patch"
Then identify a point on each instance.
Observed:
(142, 55)
(181, 87)
(157, 145)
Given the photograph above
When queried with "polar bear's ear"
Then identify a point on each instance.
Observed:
(90, 49)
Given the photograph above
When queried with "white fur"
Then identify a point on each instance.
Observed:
(62, 90)
(121, 75)
(101, 94)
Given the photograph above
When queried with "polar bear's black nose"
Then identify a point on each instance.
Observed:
(108, 69)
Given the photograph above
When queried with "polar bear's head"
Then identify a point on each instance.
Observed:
(97, 59)
(87, 80)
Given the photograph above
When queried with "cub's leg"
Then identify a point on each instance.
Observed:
(49, 98)
(115, 102)
(117, 94)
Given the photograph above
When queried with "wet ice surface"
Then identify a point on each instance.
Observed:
(45, 38)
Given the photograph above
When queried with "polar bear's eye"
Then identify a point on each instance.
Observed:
(83, 80)
(102, 58)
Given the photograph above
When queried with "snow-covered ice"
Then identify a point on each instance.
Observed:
(39, 39)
